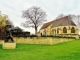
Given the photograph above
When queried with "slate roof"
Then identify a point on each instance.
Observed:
(46, 25)
(64, 21)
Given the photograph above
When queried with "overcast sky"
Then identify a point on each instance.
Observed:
(14, 8)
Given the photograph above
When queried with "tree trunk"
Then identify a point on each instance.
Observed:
(35, 30)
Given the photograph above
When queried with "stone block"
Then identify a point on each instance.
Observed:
(8, 45)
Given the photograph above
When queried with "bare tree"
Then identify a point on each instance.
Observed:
(35, 17)
(75, 19)
(60, 16)
(78, 19)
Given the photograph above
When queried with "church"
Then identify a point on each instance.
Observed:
(60, 27)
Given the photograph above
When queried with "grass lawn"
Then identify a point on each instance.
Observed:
(62, 51)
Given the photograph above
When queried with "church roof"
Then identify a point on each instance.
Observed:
(46, 25)
(64, 21)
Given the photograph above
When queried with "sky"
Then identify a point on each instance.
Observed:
(14, 8)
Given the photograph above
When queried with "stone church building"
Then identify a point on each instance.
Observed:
(60, 27)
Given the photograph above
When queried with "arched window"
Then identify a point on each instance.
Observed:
(72, 30)
(57, 30)
(64, 30)
(54, 31)
(41, 34)
(45, 32)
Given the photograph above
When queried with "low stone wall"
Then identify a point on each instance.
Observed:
(42, 40)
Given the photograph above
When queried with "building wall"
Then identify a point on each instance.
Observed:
(42, 32)
(54, 31)
(58, 31)
(48, 30)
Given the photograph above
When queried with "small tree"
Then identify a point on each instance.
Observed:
(3, 21)
(35, 17)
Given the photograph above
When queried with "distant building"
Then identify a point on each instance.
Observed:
(60, 27)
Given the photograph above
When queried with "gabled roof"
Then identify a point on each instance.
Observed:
(46, 25)
(64, 21)
(59, 22)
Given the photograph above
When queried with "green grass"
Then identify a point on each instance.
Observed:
(63, 51)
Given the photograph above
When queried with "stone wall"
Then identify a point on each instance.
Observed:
(42, 40)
